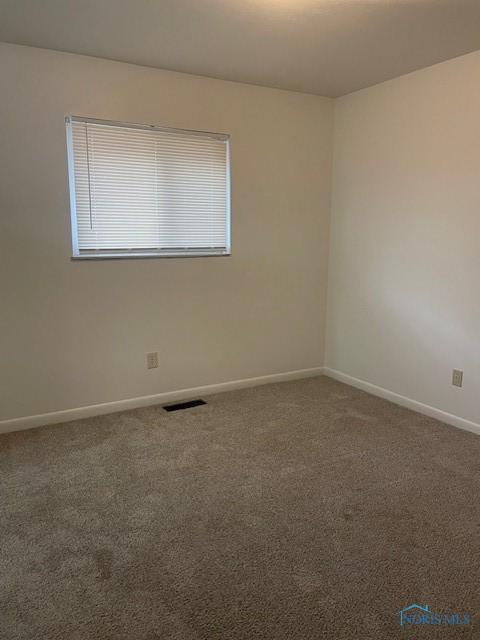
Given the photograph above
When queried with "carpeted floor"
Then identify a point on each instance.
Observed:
(300, 510)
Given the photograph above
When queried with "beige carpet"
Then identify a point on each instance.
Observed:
(300, 510)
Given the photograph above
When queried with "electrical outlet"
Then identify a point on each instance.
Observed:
(457, 378)
(152, 360)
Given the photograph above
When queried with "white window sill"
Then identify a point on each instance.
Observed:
(142, 256)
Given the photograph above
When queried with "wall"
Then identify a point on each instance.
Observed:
(76, 333)
(404, 271)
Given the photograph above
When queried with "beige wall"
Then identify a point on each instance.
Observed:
(76, 333)
(403, 303)
(404, 273)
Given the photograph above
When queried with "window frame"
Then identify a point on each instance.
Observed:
(117, 254)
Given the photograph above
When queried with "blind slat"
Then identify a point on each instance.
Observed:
(147, 190)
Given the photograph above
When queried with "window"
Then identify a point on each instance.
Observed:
(147, 191)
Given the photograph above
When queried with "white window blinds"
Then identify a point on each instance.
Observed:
(139, 190)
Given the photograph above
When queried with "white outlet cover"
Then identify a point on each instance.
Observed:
(152, 360)
(457, 378)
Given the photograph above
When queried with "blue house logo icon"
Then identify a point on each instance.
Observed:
(421, 614)
(414, 609)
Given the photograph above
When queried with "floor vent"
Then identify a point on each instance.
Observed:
(184, 405)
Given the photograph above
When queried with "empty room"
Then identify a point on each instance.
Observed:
(239, 319)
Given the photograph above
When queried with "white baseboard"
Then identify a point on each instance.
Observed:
(55, 417)
(396, 398)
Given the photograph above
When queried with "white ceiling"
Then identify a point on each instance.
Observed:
(328, 47)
